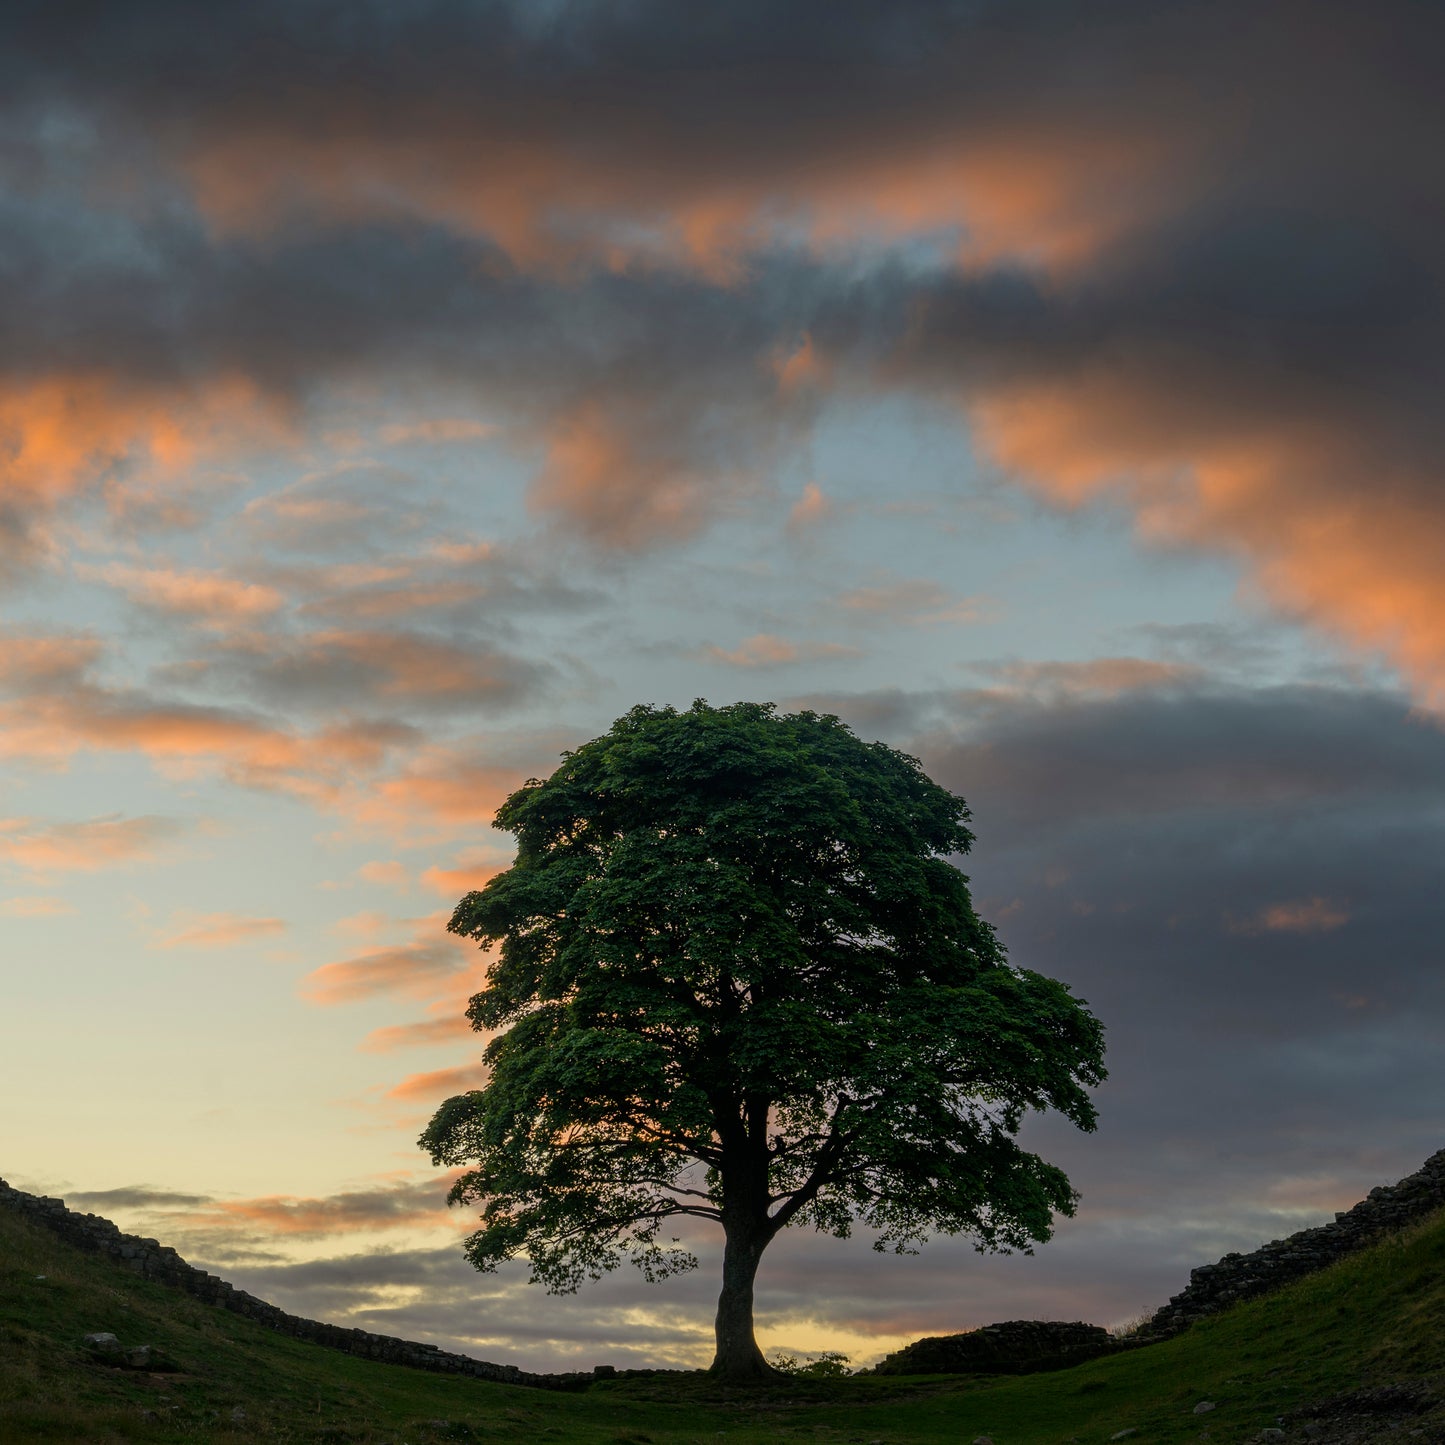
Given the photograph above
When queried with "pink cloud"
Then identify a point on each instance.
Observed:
(220, 930)
(812, 508)
(108, 842)
(1096, 677)
(35, 907)
(436, 429)
(463, 878)
(914, 602)
(1304, 915)
(433, 959)
(422, 1034)
(385, 873)
(441, 1083)
(399, 1205)
(768, 650)
(210, 597)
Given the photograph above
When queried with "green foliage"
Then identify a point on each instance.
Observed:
(825, 1365)
(738, 975)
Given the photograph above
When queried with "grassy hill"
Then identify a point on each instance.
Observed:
(1377, 1319)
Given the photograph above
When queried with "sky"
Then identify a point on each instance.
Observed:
(394, 394)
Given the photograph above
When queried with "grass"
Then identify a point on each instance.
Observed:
(1374, 1319)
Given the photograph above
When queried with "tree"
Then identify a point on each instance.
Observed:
(740, 981)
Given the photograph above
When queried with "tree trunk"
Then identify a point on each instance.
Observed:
(738, 1356)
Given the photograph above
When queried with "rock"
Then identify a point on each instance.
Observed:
(103, 1342)
(1204, 1407)
(1125, 1433)
(1271, 1435)
(138, 1357)
(238, 1416)
(983, 1440)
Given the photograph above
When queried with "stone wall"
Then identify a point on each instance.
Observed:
(1236, 1277)
(1014, 1347)
(155, 1261)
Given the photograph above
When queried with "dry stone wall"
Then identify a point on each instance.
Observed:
(1013, 1347)
(1236, 1277)
(155, 1261)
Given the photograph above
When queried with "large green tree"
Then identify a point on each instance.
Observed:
(740, 980)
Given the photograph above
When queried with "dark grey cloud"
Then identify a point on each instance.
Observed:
(132, 1196)
(1202, 244)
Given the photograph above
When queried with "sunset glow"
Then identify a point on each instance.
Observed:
(392, 396)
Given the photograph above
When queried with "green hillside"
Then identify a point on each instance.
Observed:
(1377, 1319)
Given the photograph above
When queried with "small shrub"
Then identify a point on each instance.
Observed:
(825, 1365)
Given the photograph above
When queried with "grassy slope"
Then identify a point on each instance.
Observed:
(1376, 1318)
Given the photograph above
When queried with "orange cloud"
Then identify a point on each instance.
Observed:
(437, 429)
(1097, 677)
(422, 1034)
(380, 603)
(1306, 915)
(107, 842)
(385, 873)
(605, 477)
(441, 1083)
(221, 930)
(211, 597)
(810, 509)
(463, 879)
(57, 709)
(390, 1206)
(441, 788)
(913, 601)
(434, 958)
(35, 907)
(60, 433)
(1280, 492)
(712, 185)
(768, 650)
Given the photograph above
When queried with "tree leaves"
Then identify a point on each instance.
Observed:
(740, 978)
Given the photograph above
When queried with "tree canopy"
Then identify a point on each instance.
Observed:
(739, 980)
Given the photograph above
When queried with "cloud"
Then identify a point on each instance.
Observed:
(433, 958)
(132, 1196)
(1097, 676)
(62, 432)
(913, 601)
(378, 772)
(1305, 915)
(219, 930)
(655, 254)
(450, 787)
(35, 907)
(464, 877)
(399, 1205)
(811, 509)
(768, 650)
(210, 597)
(385, 873)
(436, 429)
(423, 1034)
(335, 669)
(41, 849)
(438, 1084)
